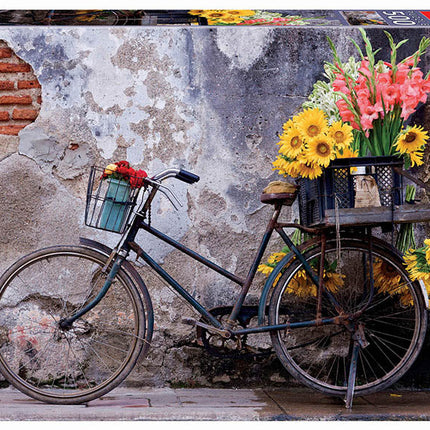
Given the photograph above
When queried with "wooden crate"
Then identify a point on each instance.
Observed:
(408, 213)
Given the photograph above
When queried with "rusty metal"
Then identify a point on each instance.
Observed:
(253, 270)
(321, 275)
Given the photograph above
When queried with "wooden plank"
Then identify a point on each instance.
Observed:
(417, 213)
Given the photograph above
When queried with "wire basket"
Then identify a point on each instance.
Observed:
(337, 184)
(109, 202)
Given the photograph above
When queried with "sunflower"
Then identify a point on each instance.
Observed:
(341, 133)
(416, 264)
(321, 151)
(293, 168)
(302, 286)
(416, 158)
(276, 257)
(347, 153)
(241, 12)
(312, 123)
(292, 143)
(197, 11)
(411, 139)
(332, 281)
(427, 249)
(308, 170)
(281, 165)
(288, 125)
(265, 269)
(230, 20)
(387, 278)
(215, 14)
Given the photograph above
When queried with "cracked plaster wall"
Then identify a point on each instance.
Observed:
(209, 100)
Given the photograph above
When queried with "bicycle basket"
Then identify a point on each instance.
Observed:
(336, 187)
(109, 202)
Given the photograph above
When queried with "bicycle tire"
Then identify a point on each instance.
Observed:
(72, 366)
(394, 323)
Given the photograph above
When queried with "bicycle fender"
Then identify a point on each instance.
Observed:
(425, 294)
(129, 268)
(268, 286)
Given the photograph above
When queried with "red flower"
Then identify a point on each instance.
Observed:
(137, 180)
(123, 163)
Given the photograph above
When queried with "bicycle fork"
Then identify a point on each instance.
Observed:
(66, 323)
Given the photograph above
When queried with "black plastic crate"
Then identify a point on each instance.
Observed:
(337, 183)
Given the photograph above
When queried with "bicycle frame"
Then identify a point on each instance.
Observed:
(128, 244)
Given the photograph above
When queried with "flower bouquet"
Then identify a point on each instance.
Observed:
(363, 110)
(248, 17)
(122, 180)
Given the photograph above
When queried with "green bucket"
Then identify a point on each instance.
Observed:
(114, 211)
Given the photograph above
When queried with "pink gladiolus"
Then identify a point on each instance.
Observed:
(390, 94)
(368, 115)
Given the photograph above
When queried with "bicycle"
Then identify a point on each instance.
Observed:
(74, 320)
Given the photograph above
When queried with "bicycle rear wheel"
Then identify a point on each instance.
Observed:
(79, 364)
(392, 326)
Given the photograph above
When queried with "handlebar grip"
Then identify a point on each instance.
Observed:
(187, 177)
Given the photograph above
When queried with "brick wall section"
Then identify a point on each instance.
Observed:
(20, 92)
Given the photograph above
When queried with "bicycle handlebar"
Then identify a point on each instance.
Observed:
(183, 175)
(188, 177)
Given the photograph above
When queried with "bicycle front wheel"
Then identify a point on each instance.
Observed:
(392, 324)
(67, 366)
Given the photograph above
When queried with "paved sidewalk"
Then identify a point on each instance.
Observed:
(220, 404)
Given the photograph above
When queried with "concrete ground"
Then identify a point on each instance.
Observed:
(207, 404)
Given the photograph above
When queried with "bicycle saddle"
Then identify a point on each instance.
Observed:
(279, 192)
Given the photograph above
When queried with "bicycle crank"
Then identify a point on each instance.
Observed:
(235, 346)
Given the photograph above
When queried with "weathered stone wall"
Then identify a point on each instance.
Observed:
(209, 100)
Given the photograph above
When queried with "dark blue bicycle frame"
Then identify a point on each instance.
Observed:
(129, 244)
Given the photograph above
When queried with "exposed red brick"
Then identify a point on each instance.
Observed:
(7, 85)
(5, 52)
(39, 100)
(4, 116)
(15, 100)
(22, 85)
(11, 129)
(73, 146)
(24, 114)
(11, 68)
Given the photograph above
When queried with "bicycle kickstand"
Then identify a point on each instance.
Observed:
(352, 374)
(359, 342)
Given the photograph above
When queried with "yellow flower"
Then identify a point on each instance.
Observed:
(427, 249)
(411, 140)
(309, 170)
(196, 12)
(387, 278)
(215, 14)
(292, 143)
(276, 257)
(347, 153)
(288, 125)
(302, 286)
(312, 123)
(281, 165)
(230, 20)
(321, 151)
(332, 281)
(416, 158)
(341, 133)
(265, 269)
(241, 12)
(110, 168)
